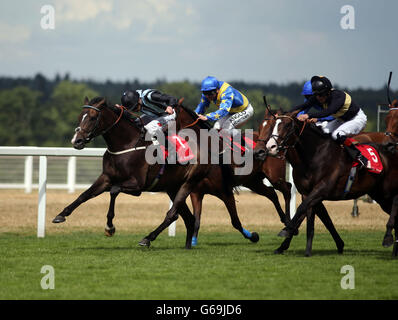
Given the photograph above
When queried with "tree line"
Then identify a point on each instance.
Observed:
(37, 111)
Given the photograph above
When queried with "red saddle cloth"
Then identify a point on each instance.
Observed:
(184, 152)
(374, 162)
(236, 146)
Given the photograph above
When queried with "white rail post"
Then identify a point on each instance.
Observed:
(71, 174)
(28, 174)
(41, 215)
(293, 191)
(172, 226)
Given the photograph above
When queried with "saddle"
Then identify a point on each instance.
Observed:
(370, 153)
(374, 164)
(181, 146)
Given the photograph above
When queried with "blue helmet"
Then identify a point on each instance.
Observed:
(307, 89)
(209, 83)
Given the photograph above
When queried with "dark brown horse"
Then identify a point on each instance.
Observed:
(319, 177)
(126, 170)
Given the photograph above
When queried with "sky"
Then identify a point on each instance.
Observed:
(262, 41)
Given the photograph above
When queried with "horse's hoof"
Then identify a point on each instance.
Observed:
(145, 243)
(59, 219)
(278, 251)
(308, 254)
(109, 232)
(255, 237)
(284, 233)
(388, 241)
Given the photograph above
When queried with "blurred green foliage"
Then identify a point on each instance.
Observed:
(42, 112)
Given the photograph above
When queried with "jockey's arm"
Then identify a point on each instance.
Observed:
(204, 103)
(223, 110)
(335, 104)
(164, 98)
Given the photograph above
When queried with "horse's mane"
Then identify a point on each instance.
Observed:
(311, 126)
(111, 106)
(202, 124)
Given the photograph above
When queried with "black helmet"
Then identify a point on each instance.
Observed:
(130, 99)
(320, 85)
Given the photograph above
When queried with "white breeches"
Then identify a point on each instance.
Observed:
(345, 128)
(234, 120)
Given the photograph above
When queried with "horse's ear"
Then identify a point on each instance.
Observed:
(180, 101)
(394, 104)
(101, 102)
(86, 101)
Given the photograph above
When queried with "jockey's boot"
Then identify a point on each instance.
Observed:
(353, 151)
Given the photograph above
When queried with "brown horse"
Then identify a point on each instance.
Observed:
(273, 169)
(319, 178)
(126, 170)
(390, 135)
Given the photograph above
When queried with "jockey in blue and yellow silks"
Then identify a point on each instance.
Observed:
(234, 108)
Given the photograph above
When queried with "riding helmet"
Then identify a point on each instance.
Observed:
(130, 99)
(209, 84)
(320, 85)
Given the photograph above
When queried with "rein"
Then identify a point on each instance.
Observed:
(192, 124)
(90, 135)
(283, 147)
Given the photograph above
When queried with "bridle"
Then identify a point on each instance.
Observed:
(92, 134)
(283, 146)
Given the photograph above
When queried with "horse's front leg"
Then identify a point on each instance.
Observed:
(260, 188)
(178, 202)
(110, 228)
(99, 186)
(197, 201)
(315, 197)
(388, 237)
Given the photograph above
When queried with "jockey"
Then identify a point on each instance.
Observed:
(154, 105)
(234, 108)
(349, 117)
(307, 93)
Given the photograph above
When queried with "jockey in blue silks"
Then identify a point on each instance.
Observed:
(234, 109)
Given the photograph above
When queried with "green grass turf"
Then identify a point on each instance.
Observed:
(223, 266)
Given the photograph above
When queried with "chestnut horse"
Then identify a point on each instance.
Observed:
(271, 168)
(319, 178)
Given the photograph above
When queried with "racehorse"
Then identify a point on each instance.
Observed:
(390, 135)
(273, 169)
(126, 170)
(318, 177)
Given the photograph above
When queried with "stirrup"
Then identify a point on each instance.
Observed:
(364, 163)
